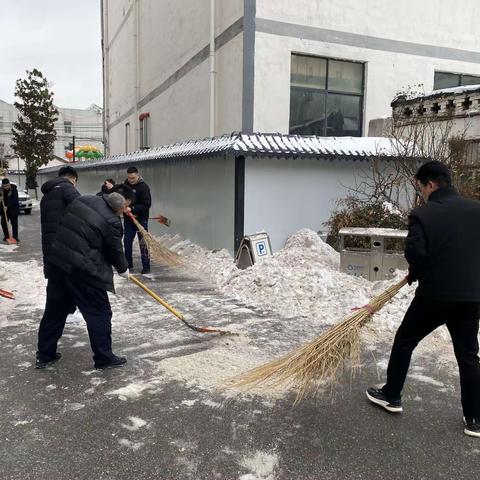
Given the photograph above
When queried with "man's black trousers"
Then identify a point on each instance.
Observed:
(64, 293)
(422, 318)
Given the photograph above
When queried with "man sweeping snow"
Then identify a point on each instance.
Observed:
(442, 249)
(87, 244)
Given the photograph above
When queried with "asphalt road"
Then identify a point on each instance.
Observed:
(64, 423)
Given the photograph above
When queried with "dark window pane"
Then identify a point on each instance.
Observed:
(343, 115)
(308, 72)
(345, 76)
(470, 80)
(307, 111)
(445, 80)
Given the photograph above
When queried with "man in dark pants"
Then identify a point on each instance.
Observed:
(140, 208)
(442, 249)
(10, 202)
(88, 242)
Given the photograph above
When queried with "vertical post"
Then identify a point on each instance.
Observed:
(18, 171)
(239, 206)
(73, 148)
(212, 69)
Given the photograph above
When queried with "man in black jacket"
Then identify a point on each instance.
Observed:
(58, 193)
(87, 244)
(11, 203)
(140, 208)
(442, 249)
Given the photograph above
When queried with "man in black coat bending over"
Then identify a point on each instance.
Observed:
(140, 208)
(87, 244)
(443, 252)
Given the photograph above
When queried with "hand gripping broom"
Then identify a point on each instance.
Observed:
(320, 359)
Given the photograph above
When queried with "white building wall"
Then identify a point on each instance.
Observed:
(86, 125)
(393, 26)
(170, 35)
(285, 195)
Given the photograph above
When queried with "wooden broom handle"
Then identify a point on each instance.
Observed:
(156, 297)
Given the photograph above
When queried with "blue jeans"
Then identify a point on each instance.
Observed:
(129, 236)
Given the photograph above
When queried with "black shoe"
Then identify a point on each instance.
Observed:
(115, 362)
(43, 363)
(145, 271)
(376, 395)
(472, 427)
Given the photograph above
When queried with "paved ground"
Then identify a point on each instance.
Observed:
(65, 423)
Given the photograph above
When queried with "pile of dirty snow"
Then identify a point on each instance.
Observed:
(301, 282)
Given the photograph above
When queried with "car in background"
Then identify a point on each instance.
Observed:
(25, 202)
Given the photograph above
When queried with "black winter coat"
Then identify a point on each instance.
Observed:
(57, 195)
(143, 200)
(89, 242)
(443, 247)
(10, 199)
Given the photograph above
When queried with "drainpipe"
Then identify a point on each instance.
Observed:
(136, 35)
(106, 77)
(212, 69)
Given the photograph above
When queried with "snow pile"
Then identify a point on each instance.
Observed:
(302, 283)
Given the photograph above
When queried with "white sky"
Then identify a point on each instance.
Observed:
(59, 37)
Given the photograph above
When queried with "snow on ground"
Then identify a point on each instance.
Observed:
(298, 291)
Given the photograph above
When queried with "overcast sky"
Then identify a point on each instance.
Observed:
(59, 37)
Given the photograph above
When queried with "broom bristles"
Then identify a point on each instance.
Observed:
(158, 252)
(320, 359)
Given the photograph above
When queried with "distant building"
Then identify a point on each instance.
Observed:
(84, 124)
(179, 70)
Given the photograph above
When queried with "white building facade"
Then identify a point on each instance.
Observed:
(176, 70)
(85, 124)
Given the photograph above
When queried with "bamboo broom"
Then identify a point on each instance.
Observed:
(158, 252)
(320, 359)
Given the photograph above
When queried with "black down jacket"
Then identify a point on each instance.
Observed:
(142, 202)
(442, 247)
(57, 195)
(89, 242)
(10, 199)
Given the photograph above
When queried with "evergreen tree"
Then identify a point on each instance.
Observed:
(34, 131)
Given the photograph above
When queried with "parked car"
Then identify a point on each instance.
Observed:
(25, 202)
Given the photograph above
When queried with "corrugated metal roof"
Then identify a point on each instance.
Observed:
(261, 144)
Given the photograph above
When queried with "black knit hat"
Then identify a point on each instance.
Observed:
(5, 181)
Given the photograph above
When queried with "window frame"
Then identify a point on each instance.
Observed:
(144, 126)
(460, 76)
(67, 126)
(327, 91)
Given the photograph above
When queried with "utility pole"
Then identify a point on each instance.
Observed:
(73, 148)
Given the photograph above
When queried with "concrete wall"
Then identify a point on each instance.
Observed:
(197, 195)
(173, 70)
(382, 33)
(285, 195)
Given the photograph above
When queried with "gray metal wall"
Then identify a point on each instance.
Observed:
(197, 195)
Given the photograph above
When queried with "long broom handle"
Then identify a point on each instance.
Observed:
(156, 297)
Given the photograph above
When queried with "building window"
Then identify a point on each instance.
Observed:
(450, 80)
(1, 123)
(326, 96)
(67, 127)
(127, 137)
(144, 128)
